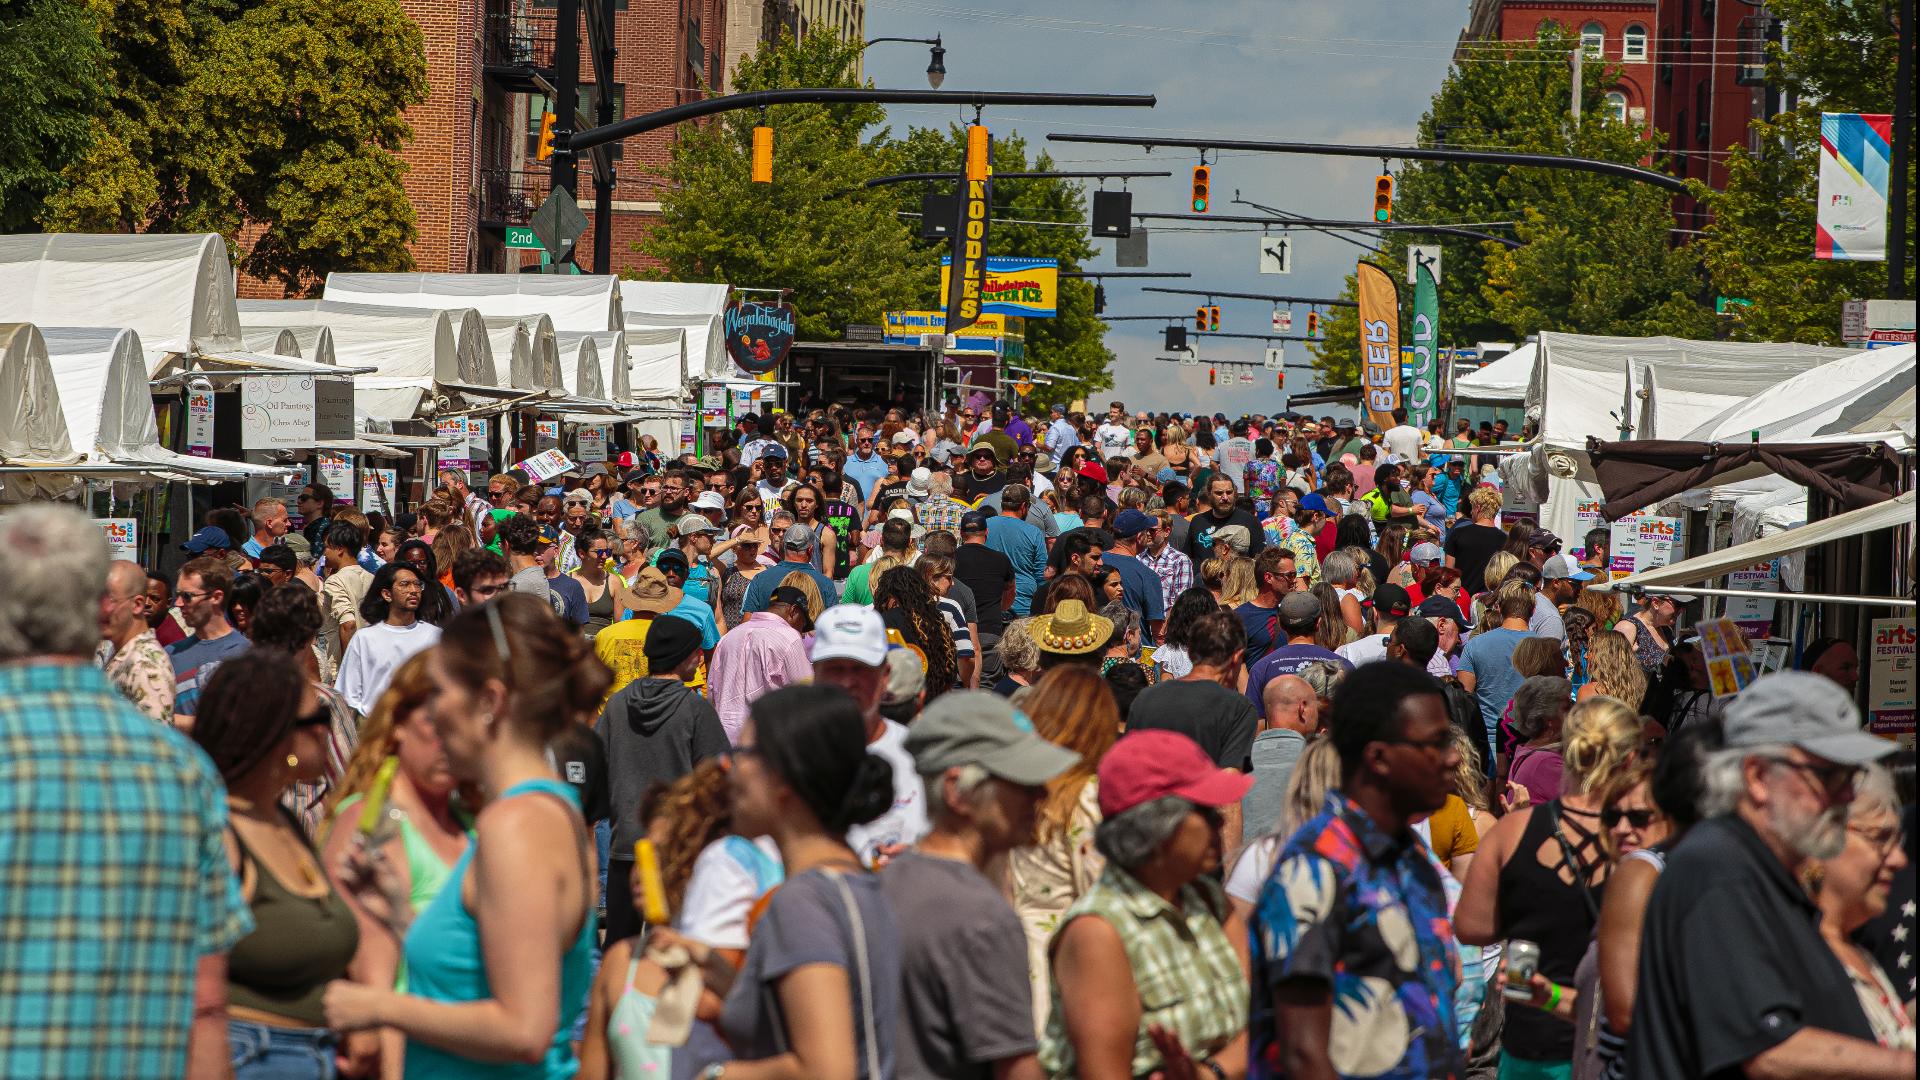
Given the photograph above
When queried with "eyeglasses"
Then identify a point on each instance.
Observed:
(188, 596)
(1612, 816)
(1834, 780)
(600, 553)
(1883, 840)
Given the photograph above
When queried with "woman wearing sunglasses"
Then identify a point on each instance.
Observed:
(596, 554)
(262, 722)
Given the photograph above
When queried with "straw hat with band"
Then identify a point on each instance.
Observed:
(1071, 630)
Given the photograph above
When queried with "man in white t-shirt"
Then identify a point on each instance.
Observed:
(394, 634)
(850, 652)
(1114, 437)
(1402, 440)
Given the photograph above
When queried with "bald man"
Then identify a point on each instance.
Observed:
(1292, 717)
(134, 661)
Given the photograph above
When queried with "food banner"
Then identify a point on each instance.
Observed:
(1423, 387)
(964, 288)
(1379, 343)
(1029, 288)
(1890, 690)
(1851, 220)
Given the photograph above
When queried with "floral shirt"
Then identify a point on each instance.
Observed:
(1283, 531)
(144, 674)
(1365, 913)
(1263, 480)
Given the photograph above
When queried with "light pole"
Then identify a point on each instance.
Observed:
(936, 56)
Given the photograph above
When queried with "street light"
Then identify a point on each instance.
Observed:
(936, 56)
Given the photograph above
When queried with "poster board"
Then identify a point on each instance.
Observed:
(1729, 657)
(377, 491)
(1890, 684)
(123, 537)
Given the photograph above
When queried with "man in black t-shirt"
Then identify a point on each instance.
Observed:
(987, 572)
(1203, 704)
(1471, 544)
(1220, 497)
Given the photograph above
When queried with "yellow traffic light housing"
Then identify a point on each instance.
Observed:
(762, 154)
(1202, 180)
(1200, 318)
(1213, 316)
(1383, 198)
(544, 149)
(979, 152)
(1313, 324)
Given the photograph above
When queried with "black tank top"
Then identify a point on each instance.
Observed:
(1541, 902)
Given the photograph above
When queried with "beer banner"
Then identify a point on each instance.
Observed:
(1379, 343)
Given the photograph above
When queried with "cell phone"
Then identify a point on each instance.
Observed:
(1523, 962)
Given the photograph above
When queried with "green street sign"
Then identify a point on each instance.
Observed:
(521, 236)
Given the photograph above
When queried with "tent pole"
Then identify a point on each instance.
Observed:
(1811, 598)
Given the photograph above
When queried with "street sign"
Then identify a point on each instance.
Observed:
(1131, 250)
(1190, 358)
(521, 236)
(1417, 254)
(1276, 357)
(558, 224)
(1276, 255)
(1853, 321)
(1282, 320)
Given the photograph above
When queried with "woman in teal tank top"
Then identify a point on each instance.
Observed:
(500, 962)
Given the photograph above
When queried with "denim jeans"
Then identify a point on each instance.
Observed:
(261, 1052)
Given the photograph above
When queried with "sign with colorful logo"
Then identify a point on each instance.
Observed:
(590, 441)
(758, 334)
(1890, 690)
(1850, 222)
(123, 537)
(1015, 286)
(1005, 335)
(200, 423)
(546, 465)
(377, 491)
(1423, 384)
(453, 431)
(336, 471)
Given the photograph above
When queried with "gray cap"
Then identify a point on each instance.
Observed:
(1298, 607)
(1425, 552)
(906, 677)
(797, 538)
(1805, 710)
(694, 523)
(1236, 537)
(974, 727)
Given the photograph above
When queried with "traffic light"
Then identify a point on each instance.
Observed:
(1099, 299)
(1210, 375)
(544, 149)
(1202, 178)
(1176, 338)
(1280, 380)
(1200, 319)
(1313, 324)
(979, 148)
(1213, 316)
(1383, 198)
(762, 154)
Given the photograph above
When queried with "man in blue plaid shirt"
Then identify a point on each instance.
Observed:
(117, 904)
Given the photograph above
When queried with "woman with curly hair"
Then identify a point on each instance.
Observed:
(906, 603)
(1613, 671)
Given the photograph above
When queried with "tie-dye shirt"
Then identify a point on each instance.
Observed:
(1366, 914)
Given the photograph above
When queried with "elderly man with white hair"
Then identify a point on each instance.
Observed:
(1735, 978)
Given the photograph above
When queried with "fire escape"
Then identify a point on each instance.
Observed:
(516, 54)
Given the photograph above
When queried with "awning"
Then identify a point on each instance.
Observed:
(1639, 473)
(234, 362)
(358, 446)
(1881, 515)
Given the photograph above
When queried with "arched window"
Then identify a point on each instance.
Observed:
(1633, 43)
(1617, 106)
(1593, 39)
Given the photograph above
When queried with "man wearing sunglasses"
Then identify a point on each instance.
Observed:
(1735, 977)
(201, 595)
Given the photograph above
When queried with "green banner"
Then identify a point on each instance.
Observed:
(1423, 385)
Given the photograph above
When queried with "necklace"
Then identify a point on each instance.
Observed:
(302, 858)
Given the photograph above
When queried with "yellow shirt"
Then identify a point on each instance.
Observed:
(622, 647)
(1452, 830)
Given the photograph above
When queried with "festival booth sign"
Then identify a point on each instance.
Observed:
(1379, 299)
(758, 334)
(1019, 287)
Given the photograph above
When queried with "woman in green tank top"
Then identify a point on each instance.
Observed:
(419, 832)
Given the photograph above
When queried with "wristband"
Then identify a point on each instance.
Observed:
(1553, 997)
(1214, 1068)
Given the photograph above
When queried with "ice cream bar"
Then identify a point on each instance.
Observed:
(653, 893)
(376, 802)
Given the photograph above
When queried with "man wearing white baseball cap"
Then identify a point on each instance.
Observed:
(850, 652)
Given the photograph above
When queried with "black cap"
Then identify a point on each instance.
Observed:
(1391, 600)
(787, 594)
(671, 557)
(972, 520)
(1438, 607)
(1543, 540)
(670, 640)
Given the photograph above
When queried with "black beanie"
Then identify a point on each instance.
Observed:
(670, 640)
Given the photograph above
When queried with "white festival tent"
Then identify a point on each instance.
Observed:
(658, 359)
(696, 306)
(412, 351)
(1503, 382)
(1658, 387)
(313, 343)
(585, 302)
(1867, 396)
(605, 352)
(33, 427)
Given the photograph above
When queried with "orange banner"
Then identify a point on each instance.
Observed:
(1379, 298)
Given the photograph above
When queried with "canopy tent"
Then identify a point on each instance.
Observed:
(658, 360)
(528, 341)
(580, 370)
(1657, 387)
(1503, 382)
(277, 340)
(33, 427)
(1675, 576)
(313, 342)
(581, 302)
(605, 352)
(1866, 396)
(696, 307)
(411, 350)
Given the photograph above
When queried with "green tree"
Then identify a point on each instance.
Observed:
(1596, 256)
(49, 79)
(841, 248)
(1759, 244)
(1073, 342)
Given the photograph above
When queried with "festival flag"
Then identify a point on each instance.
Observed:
(1851, 220)
(1379, 343)
(1423, 390)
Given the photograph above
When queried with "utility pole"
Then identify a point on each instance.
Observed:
(1902, 153)
(1579, 54)
(601, 41)
(566, 87)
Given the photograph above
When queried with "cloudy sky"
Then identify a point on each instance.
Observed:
(1354, 71)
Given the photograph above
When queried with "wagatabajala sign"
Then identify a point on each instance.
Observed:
(758, 334)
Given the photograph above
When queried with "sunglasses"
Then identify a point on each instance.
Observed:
(321, 716)
(1612, 816)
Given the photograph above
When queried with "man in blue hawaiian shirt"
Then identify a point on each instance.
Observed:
(1354, 962)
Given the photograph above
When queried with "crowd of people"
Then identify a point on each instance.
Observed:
(969, 745)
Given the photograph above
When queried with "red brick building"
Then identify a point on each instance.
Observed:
(1710, 77)
(1618, 32)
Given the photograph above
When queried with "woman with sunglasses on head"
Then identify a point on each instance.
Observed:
(1650, 631)
(596, 552)
(499, 964)
(263, 724)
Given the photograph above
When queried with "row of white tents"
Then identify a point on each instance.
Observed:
(92, 325)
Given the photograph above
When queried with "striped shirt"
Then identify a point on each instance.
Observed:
(1174, 570)
(114, 880)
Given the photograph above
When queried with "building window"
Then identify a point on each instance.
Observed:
(618, 5)
(1633, 43)
(1593, 39)
(588, 114)
(1616, 106)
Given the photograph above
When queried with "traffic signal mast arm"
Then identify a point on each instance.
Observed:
(1322, 225)
(1321, 301)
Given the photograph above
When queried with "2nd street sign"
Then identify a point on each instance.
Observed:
(521, 236)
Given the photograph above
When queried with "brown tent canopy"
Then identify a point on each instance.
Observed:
(1639, 473)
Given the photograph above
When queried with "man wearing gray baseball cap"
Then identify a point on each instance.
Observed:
(965, 988)
(1735, 978)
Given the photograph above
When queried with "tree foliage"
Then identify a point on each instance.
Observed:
(49, 78)
(1596, 255)
(838, 246)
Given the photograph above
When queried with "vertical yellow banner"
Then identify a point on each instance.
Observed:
(1379, 343)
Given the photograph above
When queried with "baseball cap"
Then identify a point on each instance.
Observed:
(625, 461)
(672, 559)
(904, 438)
(208, 538)
(787, 594)
(1235, 536)
(1543, 540)
(977, 727)
(1346, 423)
(1805, 710)
(694, 523)
(1425, 552)
(1155, 764)
(906, 676)
(1391, 600)
(549, 534)
(710, 500)
(1441, 607)
(1132, 522)
(900, 513)
(1564, 568)
(670, 640)
(298, 544)
(797, 538)
(634, 476)
(653, 593)
(597, 468)
(972, 520)
(1316, 501)
(774, 451)
(1093, 470)
(1299, 607)
(850, 632)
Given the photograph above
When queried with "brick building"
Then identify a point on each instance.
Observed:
(1710, 79)
(1618, 32)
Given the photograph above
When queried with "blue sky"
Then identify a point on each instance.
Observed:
(1352, 71)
